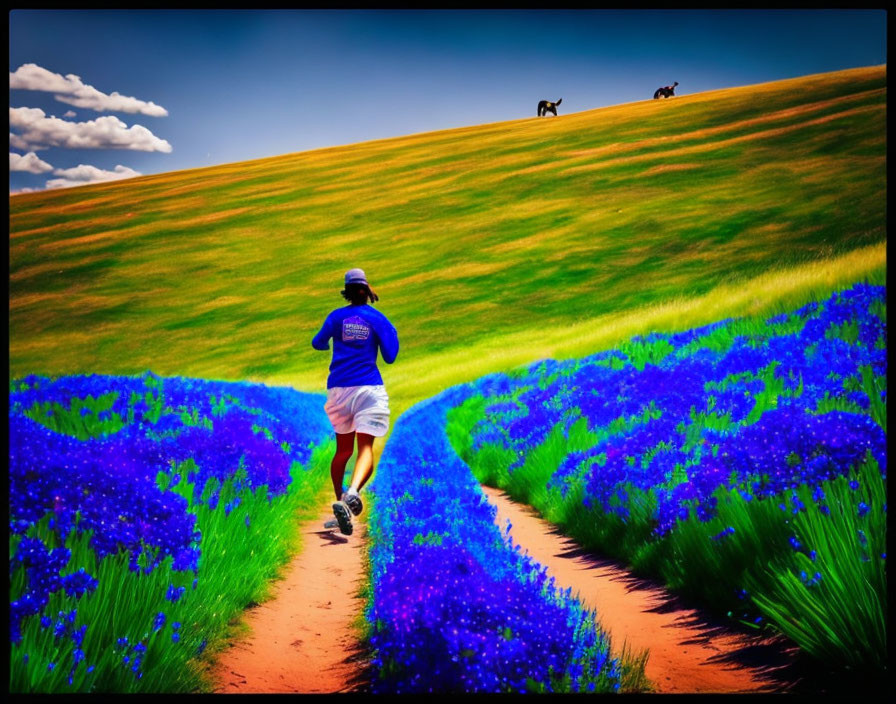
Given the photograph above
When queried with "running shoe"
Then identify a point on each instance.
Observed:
(353, 501)
(343, 516)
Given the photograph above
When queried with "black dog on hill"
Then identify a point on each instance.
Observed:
(546, 106)
(665, 91)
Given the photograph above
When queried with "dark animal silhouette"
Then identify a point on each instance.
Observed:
(546, 106)
(665, 91)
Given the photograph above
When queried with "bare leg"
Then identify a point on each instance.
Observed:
(364, 462)
(345, 446)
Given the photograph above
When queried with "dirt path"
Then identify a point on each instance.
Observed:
(689, 653)
(302, 640)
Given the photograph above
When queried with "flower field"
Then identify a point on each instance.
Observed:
(454, 606)
(145, 513)
(743, 463)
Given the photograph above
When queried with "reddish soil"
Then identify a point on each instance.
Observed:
(689, 651)
(303, 639)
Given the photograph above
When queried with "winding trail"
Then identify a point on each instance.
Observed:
(303, 640)
(689, 652)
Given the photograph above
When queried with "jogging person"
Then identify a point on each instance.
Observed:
(357, 403)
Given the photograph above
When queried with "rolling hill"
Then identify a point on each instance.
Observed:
(490, 246)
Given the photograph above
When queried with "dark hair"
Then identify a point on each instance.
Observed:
(358, 294)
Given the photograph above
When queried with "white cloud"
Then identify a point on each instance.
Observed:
(70, 113)
(17, 142)
(31, 163)
(83, 174)
(108, 132)
(71, 90)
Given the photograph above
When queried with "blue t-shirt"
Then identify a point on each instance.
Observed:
(357, 332)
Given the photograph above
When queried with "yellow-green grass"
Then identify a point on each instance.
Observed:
(491, 246)
(771, 293)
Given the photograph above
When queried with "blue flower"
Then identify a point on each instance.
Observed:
(79, 583)
(174, 593)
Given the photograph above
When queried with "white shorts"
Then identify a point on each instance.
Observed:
(362, 409)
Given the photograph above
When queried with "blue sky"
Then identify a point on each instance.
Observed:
(107, 94)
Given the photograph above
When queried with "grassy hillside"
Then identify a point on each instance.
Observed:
(490, 246)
